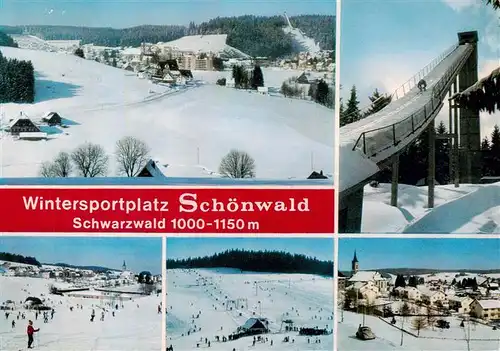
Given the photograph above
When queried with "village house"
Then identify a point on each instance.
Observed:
(412, 293)
(23, 125)
(433, 297)
(316, 175)
(461, 304)
(485, 309)
(367, 290)
(52, 119)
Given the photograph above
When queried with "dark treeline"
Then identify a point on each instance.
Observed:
(258, 261)
(17, 81)
(6, 40)
(97, 269)
(412, 281)
(254, 35)
(5, 256)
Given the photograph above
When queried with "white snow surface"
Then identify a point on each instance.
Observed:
(273, 76)
(305, 299)
(133, 328)
(302, 42)
(388, 337)
(470, 208)
(282, 135)
(356, 168)
(215, 43)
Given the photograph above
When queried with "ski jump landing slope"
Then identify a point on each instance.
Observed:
(476, 212)
(369, 142)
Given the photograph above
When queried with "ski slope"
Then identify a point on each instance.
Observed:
(301, 42)
(136, 326)
(470, 208)
(305, 299)
(194, 125)
(214, 43)
(356, 165)
(388, 337)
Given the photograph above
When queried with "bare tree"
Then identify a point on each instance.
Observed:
(47, 170)
(419, 323)
(132, 155)
(237, 164)
(431, 319)
(62, 165)
(405, 309)
(90, 160)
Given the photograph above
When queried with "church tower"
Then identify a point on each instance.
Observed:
(124, 267)
(355, 264)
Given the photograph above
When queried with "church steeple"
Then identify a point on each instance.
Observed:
(355, 264)
(124, 266)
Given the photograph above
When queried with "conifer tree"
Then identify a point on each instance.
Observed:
(378, 102)
(352, 113)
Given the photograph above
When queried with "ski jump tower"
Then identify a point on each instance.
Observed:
(463, 134)
(288, 20)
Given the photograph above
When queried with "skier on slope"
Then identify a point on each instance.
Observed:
(422, 85)
(30, 330)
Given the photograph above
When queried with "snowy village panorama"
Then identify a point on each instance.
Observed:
(418, 294)
(99, 89)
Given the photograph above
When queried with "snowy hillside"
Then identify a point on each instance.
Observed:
(307, 300)
(471, 208)
(215, 43)
(388, 337)
(181, 126)
(135, 326)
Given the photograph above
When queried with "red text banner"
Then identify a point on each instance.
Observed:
(166, 210)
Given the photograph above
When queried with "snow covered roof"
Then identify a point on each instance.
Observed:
(365, 276)
(489, 304)
(156, 169)
(131, 51)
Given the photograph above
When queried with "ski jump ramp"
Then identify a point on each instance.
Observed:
(365, 146)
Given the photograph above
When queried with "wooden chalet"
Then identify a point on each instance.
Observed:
(52, 119)
(23, 125)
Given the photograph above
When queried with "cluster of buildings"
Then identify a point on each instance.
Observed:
(77, 277)
(23, 127)
(438, 291)
(322, 61)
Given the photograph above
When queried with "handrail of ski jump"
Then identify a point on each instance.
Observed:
(397, 132)
(413, 81)
(404, 88)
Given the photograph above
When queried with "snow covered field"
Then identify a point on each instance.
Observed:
(388, 337)
(305, 299)
(136, 326)
(471, 208)
(178, 124)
